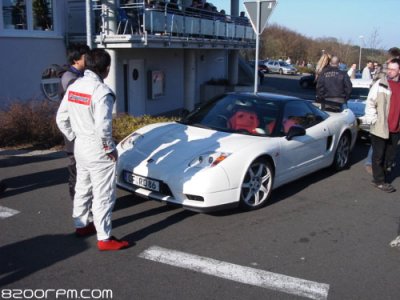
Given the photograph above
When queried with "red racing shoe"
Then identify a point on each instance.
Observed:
(112, 244)
(85, 231)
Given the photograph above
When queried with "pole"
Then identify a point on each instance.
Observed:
(89, 24)
(257, 47)
(359, 58)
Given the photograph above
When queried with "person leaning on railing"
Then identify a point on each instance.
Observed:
(173, 6)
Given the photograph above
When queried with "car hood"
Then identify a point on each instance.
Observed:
(172, 142)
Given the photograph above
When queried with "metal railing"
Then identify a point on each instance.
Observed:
(170, 20)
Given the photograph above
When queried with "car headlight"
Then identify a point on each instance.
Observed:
(128, 142)
(208, 159)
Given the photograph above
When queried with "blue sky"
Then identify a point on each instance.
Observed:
(345, 20)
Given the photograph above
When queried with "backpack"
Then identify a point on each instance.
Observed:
(51, 82)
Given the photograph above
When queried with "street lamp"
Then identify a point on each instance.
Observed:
(359, 58)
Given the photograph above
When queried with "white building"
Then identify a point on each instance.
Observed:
(161, 56)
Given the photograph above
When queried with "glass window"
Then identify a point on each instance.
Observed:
(42, 14)
(299, 113)
(15, 14)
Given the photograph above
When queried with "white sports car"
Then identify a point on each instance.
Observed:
(234, 150)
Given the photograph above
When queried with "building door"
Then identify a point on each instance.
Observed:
(136, 88)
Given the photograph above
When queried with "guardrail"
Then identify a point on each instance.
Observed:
(137, 19)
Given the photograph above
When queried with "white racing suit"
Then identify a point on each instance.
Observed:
(85, 115)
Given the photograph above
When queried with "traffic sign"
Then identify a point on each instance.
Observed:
(259, 12)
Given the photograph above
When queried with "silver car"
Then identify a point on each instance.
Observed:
(357, 101)
(281, 67)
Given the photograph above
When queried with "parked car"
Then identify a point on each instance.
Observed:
(357, 101)
(308, 81)
(281, 67)
(233, 151)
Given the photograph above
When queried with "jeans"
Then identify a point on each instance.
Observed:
(334, 104)
(368, 161)
(72, 175)
(383, 155)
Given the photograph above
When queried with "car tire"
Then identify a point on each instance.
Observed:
(342, 154)
(256, 188)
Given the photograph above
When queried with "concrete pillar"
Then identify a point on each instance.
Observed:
(189, 79)
(112, 79)
(233, 67)
(234, 8)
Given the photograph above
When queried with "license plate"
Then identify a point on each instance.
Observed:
(144, 182)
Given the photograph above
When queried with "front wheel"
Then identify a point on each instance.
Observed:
(342, 153)
(256, 187)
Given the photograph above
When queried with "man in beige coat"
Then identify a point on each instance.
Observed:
(382, 111)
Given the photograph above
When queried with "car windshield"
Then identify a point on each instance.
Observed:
(359, 93)
(284, 64)
(238, 114)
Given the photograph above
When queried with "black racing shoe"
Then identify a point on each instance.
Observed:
(386, 187)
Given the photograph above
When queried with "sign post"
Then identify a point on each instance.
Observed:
(258, 12)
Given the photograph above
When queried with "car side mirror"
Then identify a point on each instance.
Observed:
(295, 130)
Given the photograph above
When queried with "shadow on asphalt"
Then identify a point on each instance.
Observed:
(30, 182)
(159, 226)
(13, 158)
(21, 259)
(128, 201)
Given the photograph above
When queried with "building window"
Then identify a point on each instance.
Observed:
(14, 15)
(42, 14)
(28, 14)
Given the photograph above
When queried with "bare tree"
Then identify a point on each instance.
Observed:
(279, 42)
(374, 40)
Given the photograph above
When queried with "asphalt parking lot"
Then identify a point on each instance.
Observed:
(325, 236)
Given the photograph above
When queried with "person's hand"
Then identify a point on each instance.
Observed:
(113, 155)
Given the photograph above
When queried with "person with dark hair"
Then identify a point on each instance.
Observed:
(394, 52)
(333, 86)
(85, 116)
(366, 73)
(382, 111)
(76, 66)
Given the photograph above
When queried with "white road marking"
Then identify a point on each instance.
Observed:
(247, 275)
(6, 212)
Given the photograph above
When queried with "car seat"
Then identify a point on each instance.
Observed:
(244, 120)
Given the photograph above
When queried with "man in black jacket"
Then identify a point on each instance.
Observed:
(76, 66)
(333, 86)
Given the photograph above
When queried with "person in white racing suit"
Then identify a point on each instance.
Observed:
(85, 116)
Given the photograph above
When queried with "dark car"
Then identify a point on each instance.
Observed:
(308, 81)
(261, 66)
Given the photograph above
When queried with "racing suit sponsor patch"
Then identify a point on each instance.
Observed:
(79, 98)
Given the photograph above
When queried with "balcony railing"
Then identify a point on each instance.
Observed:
(138, 20)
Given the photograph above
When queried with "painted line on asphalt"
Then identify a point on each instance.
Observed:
(6, 212)
(247, 275)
